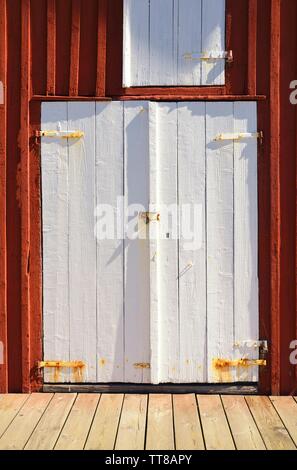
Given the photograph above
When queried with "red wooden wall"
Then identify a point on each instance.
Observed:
(71, 49)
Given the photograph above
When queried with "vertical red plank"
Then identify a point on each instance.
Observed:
(35, 250)
(51, 48)
(252, 47)
(101, 52)
(263, 87)
(114, 59)
(63, 27)
(25, 193)
(275, 195)
(3, 259)
(13, 219)
(288, 193)
(38, 20)
(74, 49)
(88, 48)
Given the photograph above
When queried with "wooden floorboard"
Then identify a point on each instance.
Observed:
(272, 429)
(10, 405)
(160, 434)
(93, 421)
(50, 425)
(131, 433)
(243, 427)
(105, 425)
(187, 426)
(215, 426)
(78, 424)
(23, 425)
(287, 410)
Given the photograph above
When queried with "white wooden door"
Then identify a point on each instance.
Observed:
(174, 42)
(129, 297)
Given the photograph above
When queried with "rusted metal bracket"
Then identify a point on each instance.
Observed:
(66, 364)
(150, 216)
(60, 134)
(209, 55)
(239, 136)
(244, 362)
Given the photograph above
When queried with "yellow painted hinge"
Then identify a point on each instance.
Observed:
(60, 134)
(66, 364)
(239, 136)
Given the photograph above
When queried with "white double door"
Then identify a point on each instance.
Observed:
(128, 295)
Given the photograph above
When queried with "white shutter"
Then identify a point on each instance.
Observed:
(174, 42)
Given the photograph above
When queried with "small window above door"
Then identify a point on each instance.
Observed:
(174, 43)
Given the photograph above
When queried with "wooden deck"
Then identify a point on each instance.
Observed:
(154, 422)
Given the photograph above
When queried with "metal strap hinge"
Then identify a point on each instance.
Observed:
(66, 364)
(209, 55)
(60, 134)
(262, 345)
(239, 136)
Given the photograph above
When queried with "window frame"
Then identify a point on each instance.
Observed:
(238, 74)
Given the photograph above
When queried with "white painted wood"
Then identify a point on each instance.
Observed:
(55, 200)
(155, 337)
(213, 39)
(169, 367)
(136, 42)
(110, 254)
(120, 305)
(192, 250)
(164, 40)
(246, 296)
(136, 254)
(82, 243)
(189, 42)
(220, 239)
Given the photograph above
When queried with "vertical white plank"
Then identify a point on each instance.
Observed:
(189, 41)
(192, 255)
(213, 39)
(154, 243)
(169, 370)
(109, 187)
(220, 239)
(246, 237)
(163, 57)
(136, 257)
(136, 43)
(82, 243)
(55, 199)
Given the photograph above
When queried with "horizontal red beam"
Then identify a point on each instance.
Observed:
(69, 98)
(192, 97)
(152, 98)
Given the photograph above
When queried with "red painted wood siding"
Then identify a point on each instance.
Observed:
(72, 49)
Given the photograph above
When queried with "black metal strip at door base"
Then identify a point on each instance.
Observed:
(217, 389)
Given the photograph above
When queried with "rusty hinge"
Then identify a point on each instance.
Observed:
(239, 136)
(60, 134)
(66, 364)
(244, 362)
(209, 55)
(261, 344)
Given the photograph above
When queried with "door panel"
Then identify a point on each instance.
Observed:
(167, 302)
(166, 42)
